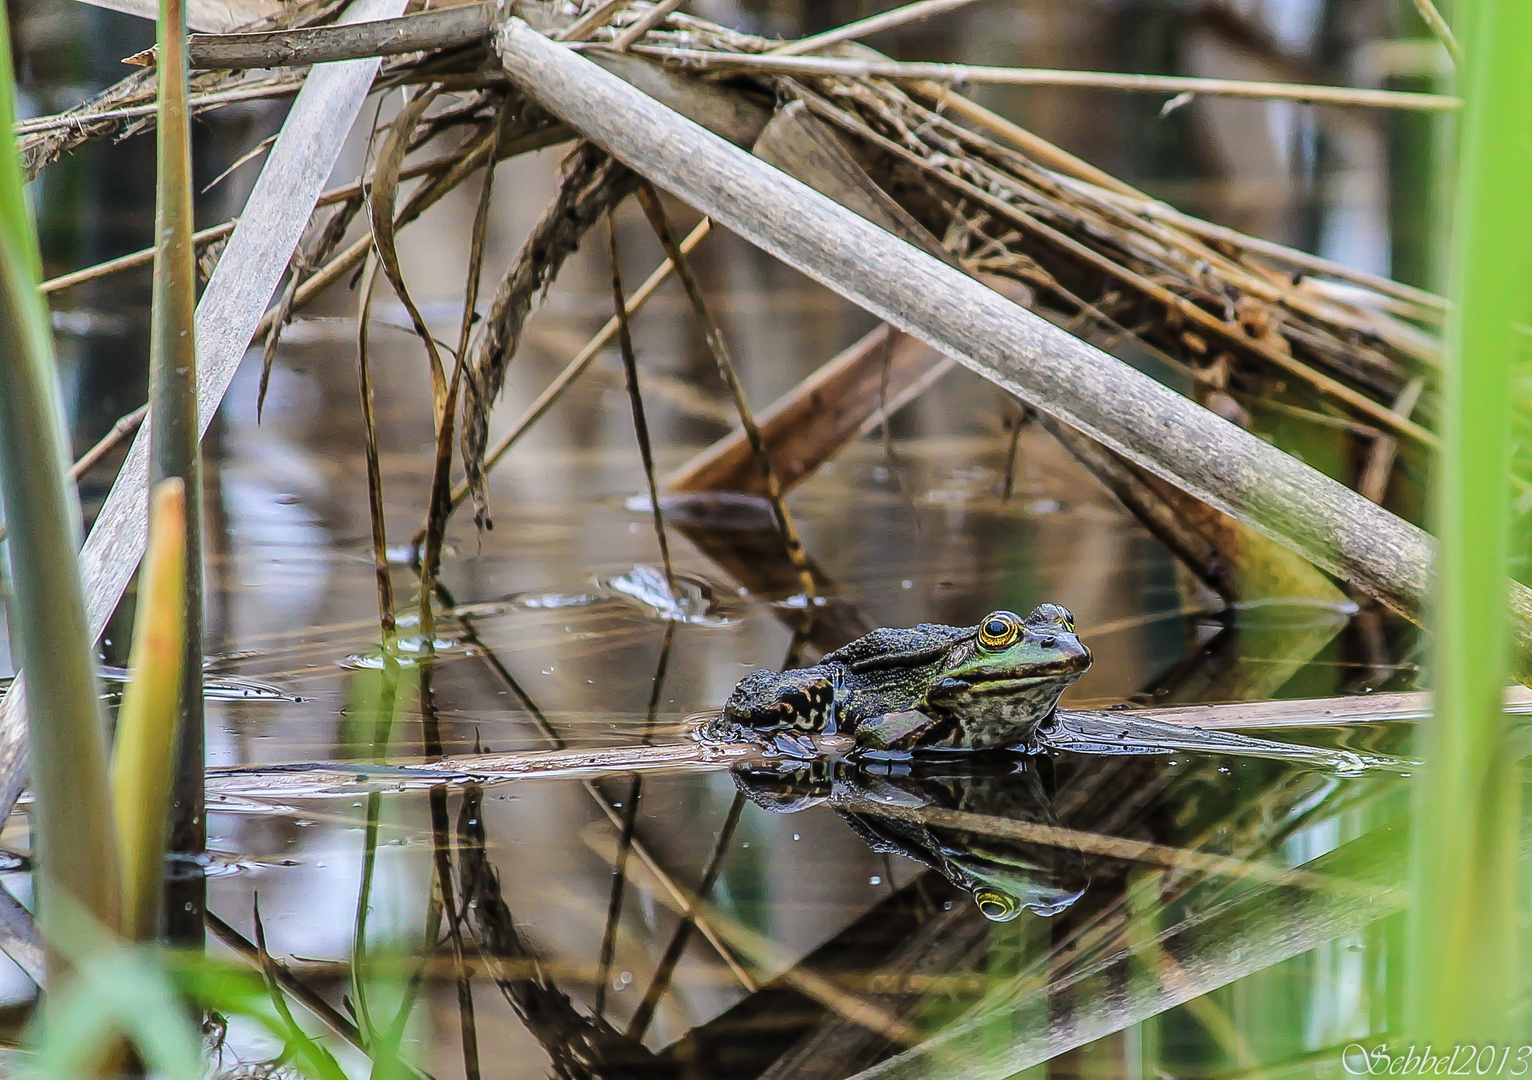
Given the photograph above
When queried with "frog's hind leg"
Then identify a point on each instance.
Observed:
(806, 699)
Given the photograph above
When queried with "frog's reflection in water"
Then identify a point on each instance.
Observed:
(902, 808)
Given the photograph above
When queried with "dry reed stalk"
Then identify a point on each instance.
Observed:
(791, 543)
(375, 513)
(592, 183)
(578, 363)
(636, 400)
(385, 191)
(778, 64)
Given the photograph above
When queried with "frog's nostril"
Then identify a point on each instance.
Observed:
(1047, 641)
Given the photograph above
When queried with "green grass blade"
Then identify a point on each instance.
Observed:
(1463, 930)
(174, 440)
(143, 760)
(72, 816)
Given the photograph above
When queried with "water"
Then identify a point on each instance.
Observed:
(954, 917)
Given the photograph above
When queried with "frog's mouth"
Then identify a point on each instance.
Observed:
(1037, 674)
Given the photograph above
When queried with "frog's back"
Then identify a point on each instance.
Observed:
(890, 647)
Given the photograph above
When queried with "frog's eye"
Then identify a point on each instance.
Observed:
(995, 905)
(999, 631)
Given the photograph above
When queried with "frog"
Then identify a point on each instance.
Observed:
(930, 687)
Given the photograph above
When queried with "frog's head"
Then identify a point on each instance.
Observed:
(1006, 679)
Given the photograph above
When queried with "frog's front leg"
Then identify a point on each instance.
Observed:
(786, 706)
(898, 733)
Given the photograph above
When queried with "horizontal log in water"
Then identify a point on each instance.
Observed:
(1058, 374)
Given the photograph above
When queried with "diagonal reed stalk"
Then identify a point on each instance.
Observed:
(148, 725)
(174, 454)
(1463, 975)
(636, 400)
(650, 201)
(73, 840)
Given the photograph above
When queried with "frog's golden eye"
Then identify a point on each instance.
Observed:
(999, 631)
(995, 905)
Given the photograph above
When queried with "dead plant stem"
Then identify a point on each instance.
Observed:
(649, 199)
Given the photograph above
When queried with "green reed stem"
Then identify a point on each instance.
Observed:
(174, 449)
(72, 817)
(143, 757)
(1464, 926)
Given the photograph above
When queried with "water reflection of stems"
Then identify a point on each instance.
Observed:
(577, 1045)
(674, 893)
(629, 822)
(1141, 851)
(441, 833)
(382, 727)
(1145, 889)
(672, 955)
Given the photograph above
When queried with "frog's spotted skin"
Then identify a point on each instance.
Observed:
(972, 687)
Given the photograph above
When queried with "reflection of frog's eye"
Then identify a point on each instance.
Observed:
(999, 631)
(995, 905)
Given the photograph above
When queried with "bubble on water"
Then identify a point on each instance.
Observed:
(875, 880)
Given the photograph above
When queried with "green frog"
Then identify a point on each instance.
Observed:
(955, 687)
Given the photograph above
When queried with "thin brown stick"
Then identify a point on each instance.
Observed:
(636, 400)
(127, 262)
(835, 67)
(873, 24)
(124, 427)
(427, 30)
(144, 256)
(649, 199)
